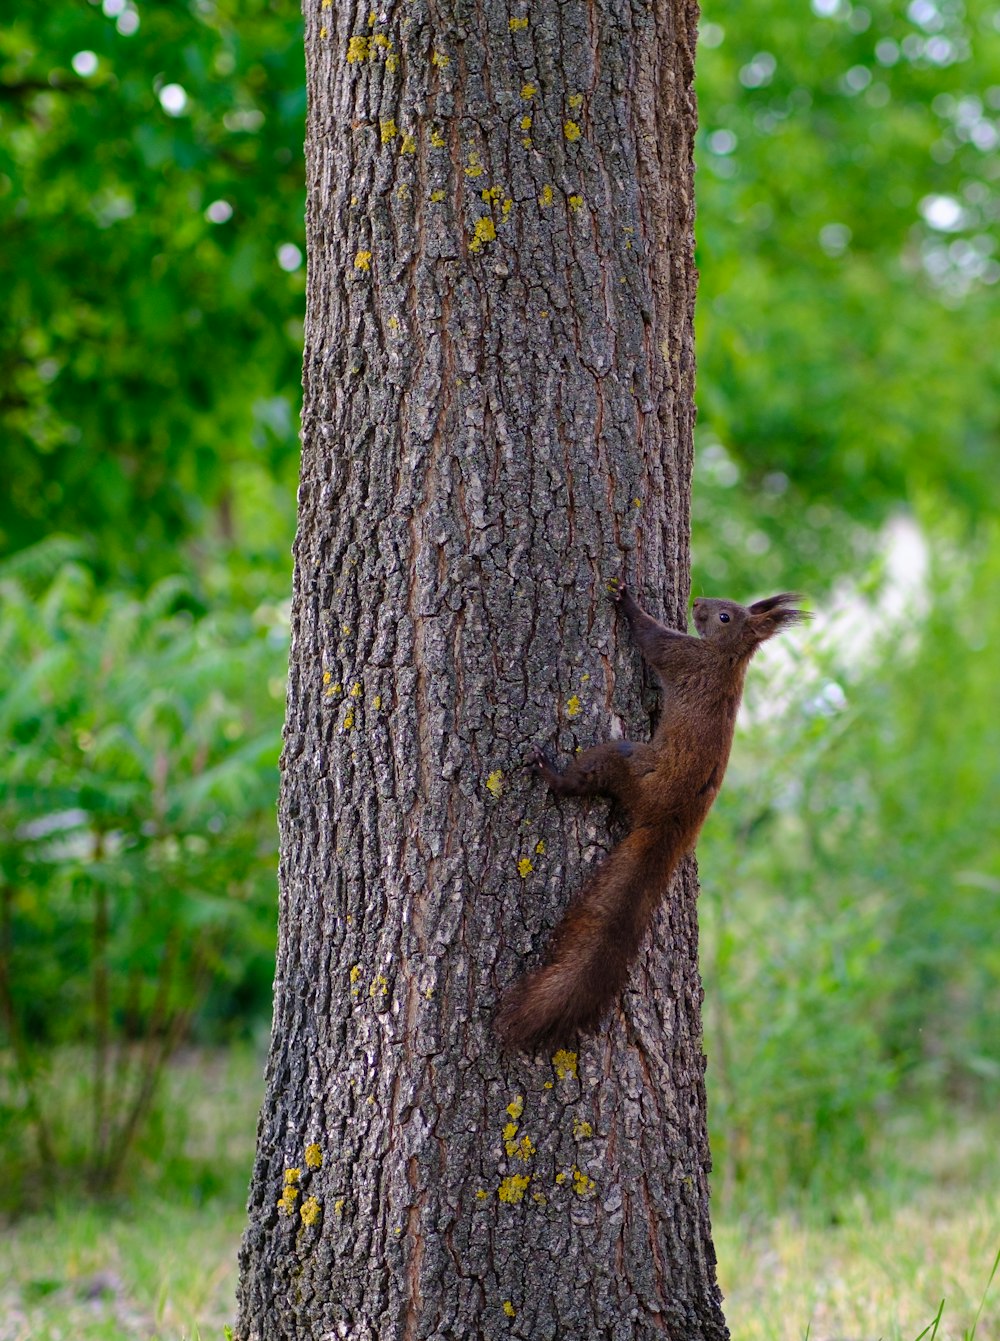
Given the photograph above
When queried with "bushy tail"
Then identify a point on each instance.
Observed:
(589, 957)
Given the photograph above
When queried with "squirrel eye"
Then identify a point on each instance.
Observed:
(724, 616)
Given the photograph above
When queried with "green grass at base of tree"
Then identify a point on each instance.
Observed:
(147, 1268)
(159, 1259)
(868, 1278)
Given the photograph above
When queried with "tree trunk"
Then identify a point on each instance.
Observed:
(497, 421)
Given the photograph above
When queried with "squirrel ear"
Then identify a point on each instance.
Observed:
(769, 616)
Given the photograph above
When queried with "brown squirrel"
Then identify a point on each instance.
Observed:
(667, 787)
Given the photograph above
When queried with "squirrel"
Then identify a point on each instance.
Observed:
(667, 788)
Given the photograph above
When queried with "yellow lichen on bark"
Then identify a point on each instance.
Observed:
(565, 1064)
(513, 1188)
(485, 231)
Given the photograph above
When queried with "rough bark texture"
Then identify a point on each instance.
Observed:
(498, 420)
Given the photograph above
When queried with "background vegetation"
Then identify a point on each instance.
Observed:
(151, 201)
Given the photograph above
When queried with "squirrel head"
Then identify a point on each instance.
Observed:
(744, 628)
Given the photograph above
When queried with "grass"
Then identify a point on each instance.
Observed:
(915, 1256)
(104, 1274)
(869, 1278)
(162, 1262)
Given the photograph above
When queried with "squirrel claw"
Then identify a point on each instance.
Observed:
(536, 760)
(617, 590)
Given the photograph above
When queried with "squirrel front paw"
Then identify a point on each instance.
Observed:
(537, 760)
(617, 590)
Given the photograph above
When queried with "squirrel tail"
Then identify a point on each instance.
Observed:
(593, 947)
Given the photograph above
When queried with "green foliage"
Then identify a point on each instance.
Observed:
(852, 890)
(929, 759)
(137, 845)
(847, 318)
(150, 174)
(847, 323)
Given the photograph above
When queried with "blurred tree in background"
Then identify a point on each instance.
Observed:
(151, 203)
(151, 200)
(849, 195)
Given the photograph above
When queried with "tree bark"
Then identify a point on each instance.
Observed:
(497, 421)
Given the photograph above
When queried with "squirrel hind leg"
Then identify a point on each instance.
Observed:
(604, 770)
